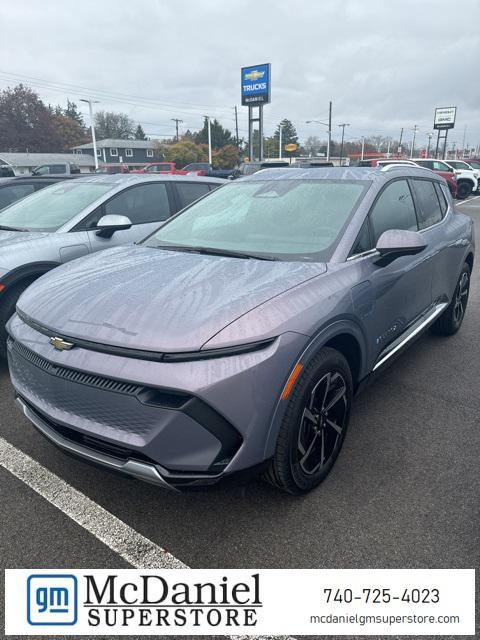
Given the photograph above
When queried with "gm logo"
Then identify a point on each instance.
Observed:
(52, 599)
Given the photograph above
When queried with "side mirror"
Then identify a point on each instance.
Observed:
(107, 225)
(395, 243)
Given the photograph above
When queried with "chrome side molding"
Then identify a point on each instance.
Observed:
(421, 324)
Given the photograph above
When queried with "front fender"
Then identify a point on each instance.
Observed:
(322, 337)
(10, 278)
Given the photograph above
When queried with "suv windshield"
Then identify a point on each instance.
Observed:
(459, 165)
(50, 208)
(276, 219)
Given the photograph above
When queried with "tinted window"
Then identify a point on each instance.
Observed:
(190, 191)
(440, 166)
(428, 164)
(441, 199)
(13, 193)
(363, 242)
(393, 210)
(145, 203)
(427, 203)
(286, 219)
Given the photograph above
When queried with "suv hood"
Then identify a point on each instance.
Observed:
(9, 238)
(156, 300)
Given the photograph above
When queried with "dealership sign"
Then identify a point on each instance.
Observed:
(255, 85)
(444, 118)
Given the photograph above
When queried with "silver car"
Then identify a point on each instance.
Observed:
(72, 218)
(235, 337)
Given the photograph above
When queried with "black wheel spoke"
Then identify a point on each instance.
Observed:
(322, 423)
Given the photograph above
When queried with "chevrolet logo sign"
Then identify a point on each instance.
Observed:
(61, 344)
(254, 75)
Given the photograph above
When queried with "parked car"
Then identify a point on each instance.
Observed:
(57, 169)
(466, 181)
(6, 171)
(249, 168)
(13, 189)
(111, 169)
(465, 167)
(381, 162)
(206, 169)
(76, 217)
(234, 338)
(474, 162)
(167, 168)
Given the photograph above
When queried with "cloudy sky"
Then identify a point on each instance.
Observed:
(384, 64)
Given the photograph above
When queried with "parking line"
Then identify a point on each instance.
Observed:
(468, 200)
(130, 545)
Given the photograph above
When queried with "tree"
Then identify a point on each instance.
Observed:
(185, 152)
(109, 124)
(69, 131)
(226, 157)
(73, 113)
(289, 133)
(26, 122)
(140, 133)
(220, 136)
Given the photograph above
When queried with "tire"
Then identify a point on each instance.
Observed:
(298, 465)
(451, 319)
(464, 189)
(8, 301)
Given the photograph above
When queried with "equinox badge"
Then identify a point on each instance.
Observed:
(60, 344)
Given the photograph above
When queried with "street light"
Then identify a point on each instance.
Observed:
(429, 136)
(329, 127)
(92, 125)
(415, 129)
(209, 140)
(345, 124)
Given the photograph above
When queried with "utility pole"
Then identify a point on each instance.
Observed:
(363, 147)
(429, 136)
(92, 125)
(236, 128)
(343, 125)
(463, 140)
(399, 150)
(329, 144)
(280, 129)
(415, 129)
(176, 120)
(388, 148)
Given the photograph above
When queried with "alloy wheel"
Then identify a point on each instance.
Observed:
(461, 297)
(322, 423)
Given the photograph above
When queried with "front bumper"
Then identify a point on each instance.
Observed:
(174, 424)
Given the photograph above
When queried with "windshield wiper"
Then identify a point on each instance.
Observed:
(4, 228)
(215, 252)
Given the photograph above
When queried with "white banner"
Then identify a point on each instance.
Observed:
(240, 602)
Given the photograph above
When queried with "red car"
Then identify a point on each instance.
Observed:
(119, 167)
(168, 168)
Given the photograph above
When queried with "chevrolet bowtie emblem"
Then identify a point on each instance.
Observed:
(60, 344)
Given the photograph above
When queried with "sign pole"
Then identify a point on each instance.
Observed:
(445, 144)
(438, 143)
(250, 134)
(260, 132)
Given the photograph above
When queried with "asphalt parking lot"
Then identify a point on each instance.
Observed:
(404, 492)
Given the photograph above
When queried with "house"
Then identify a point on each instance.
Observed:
(131, 152)
(23, 163)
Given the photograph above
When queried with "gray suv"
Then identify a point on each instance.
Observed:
(75, 217)
(235, 337)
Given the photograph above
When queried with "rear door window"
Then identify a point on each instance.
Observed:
(428, 206)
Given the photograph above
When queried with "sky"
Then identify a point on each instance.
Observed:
(385, 64)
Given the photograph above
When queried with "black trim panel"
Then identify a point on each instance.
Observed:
(140, 354)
